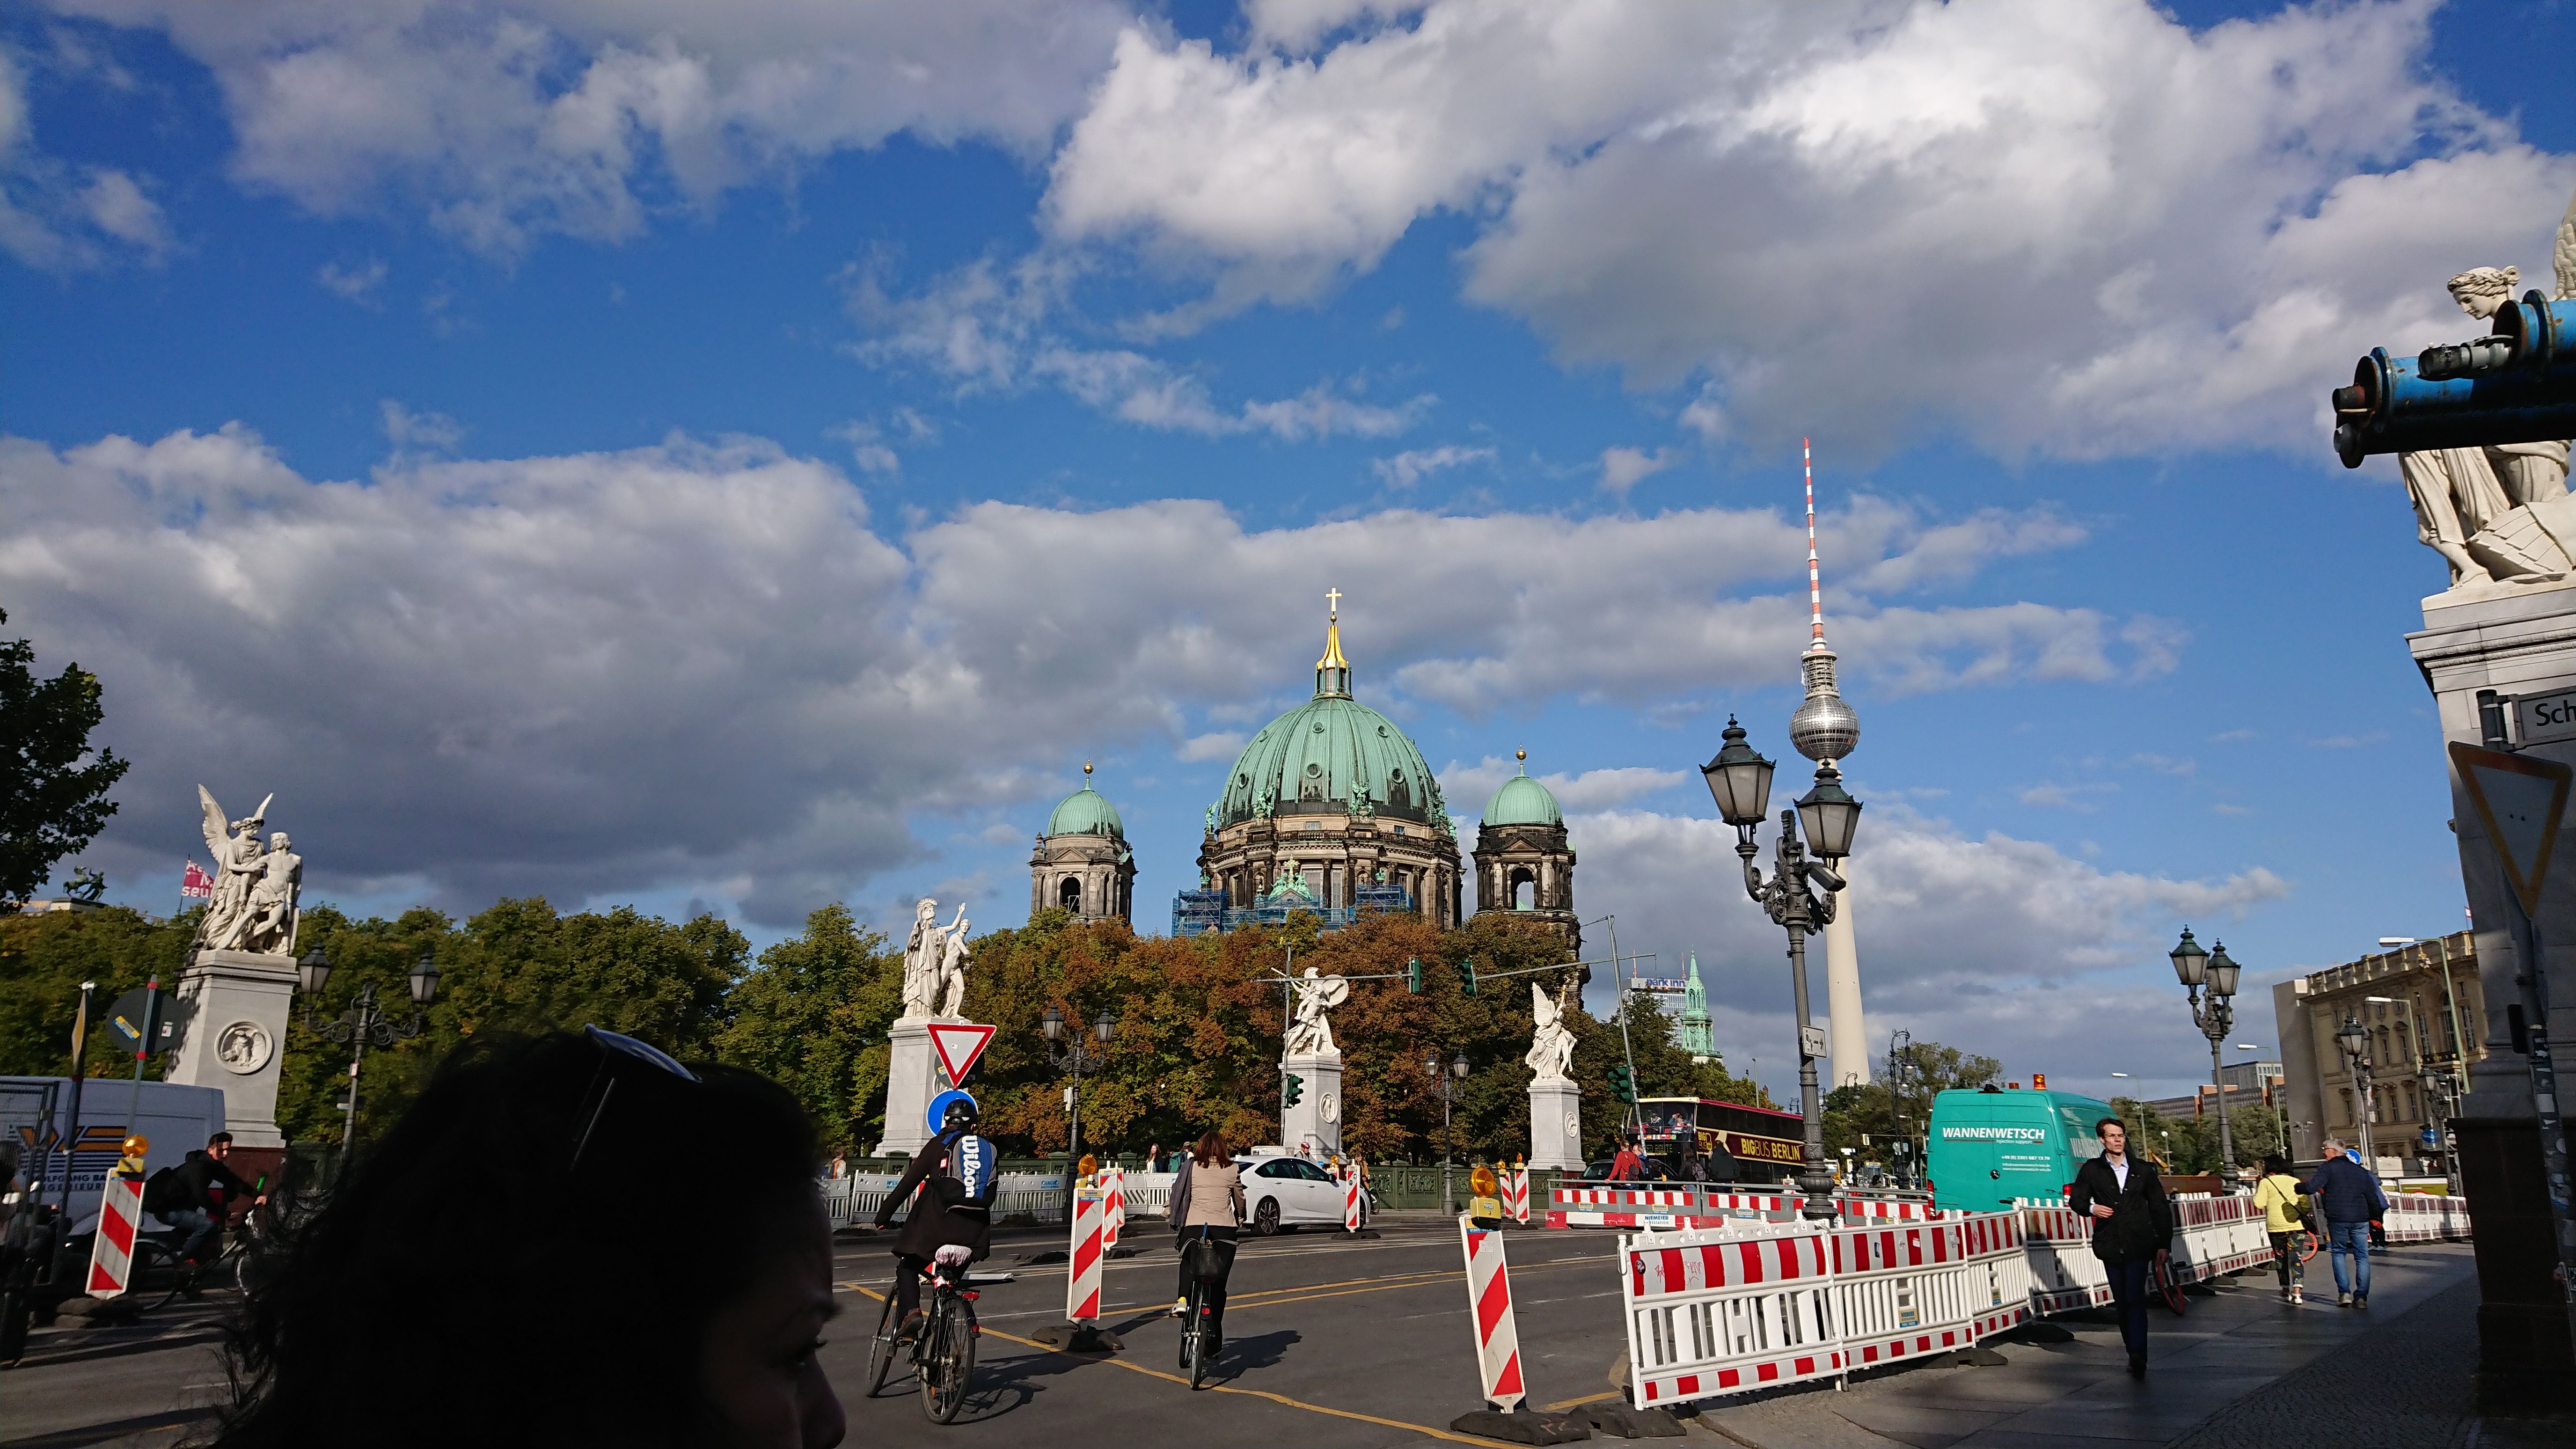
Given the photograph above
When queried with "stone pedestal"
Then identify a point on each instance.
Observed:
(233, 1009)
(2515, 641)
(1316, 1120)
(1556, 1126)
(913, 1077)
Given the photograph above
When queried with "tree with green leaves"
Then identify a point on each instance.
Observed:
(53, 787)
(45, 958)
(813, 1017)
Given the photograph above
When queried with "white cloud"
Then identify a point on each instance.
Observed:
(1470, 786)
(1622, 468)
(362, 283)
(867, 446)
(2111, 231)
(698, 664)
(1991, 944)
(1410, 467)
(983, 328)
(59, 217)
(572, 117)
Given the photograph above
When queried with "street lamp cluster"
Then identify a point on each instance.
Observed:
(1445, 1083)
(1077, 1059)
(1799, 896)
(2354, 1038)
(2213, 972)
(364, 1022)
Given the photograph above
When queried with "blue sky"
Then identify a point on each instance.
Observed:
(571, 449)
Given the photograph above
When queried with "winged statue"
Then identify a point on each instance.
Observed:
(238, 866)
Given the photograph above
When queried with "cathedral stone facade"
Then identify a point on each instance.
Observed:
(1082, 862)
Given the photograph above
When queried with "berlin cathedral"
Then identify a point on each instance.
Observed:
(1330, 809)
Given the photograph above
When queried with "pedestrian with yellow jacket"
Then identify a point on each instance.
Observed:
(2284, 1208)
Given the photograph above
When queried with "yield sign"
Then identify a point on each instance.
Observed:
(2520, 801)
(959, 1043)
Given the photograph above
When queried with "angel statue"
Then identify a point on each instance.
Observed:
(1309, 1034)
(238, 867)
(1551, 1053)
(948, 991)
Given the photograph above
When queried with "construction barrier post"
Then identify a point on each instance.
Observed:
(1351, 1202)
(1516, 1193)
(1489, 1306)
(1082, 1276)
(120, 1216)
(1113, 1202)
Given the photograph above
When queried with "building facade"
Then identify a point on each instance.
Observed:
(1082, 863)
(2416, 1005)
(1523, 861)
(1330, 803)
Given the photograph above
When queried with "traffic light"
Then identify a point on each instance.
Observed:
(1623, 1085)
(1413, 975)
(1293, 1091)
(2516, 385)
(1467, 974)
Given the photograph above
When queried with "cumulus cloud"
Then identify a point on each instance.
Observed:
(570, 117)
(362, 283)
(60, 217)
(1623, 468)
(2081, 230)
(699, 664)
(1413, 465)
(1469, 786)
(1992, 944)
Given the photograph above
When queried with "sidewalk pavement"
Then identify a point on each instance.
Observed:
(2239, 1368)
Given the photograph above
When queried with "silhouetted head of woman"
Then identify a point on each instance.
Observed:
(567, 1240)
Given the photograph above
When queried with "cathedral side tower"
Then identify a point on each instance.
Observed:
(1082, 862)
(1524, 862)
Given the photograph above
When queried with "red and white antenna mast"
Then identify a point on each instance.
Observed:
(1815, 583)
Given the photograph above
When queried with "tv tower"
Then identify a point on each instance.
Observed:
(1826, 730)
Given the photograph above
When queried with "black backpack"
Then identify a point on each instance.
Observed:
(164, 1192)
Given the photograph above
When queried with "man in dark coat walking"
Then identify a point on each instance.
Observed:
(2132, 1223)
(950, 1185)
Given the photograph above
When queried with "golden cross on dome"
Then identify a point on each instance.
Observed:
(1333, 597)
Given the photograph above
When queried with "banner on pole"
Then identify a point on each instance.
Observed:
(195, 884)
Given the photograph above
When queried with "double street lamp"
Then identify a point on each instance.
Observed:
(1799, 896)
(2212, 970)
(363, 1022)
(1443, 1083)
(1078, 1059)
(2354, 1038)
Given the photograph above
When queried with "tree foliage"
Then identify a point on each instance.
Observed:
(51, 804)
(1885, 1111)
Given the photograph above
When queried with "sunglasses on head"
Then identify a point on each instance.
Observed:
(616, 1051)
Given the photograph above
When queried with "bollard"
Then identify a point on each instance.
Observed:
(120, 1216)
(1082, 1277)
(1113, 1202)
(1489, 1308)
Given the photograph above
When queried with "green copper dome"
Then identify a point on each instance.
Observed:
(1523, 801)
(1331, 755)
(1087, 812)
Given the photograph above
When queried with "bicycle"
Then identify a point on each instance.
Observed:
(1207, 1268)
(943, 1351)
(2162, 1282)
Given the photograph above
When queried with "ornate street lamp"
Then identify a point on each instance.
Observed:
(2354, 1038)
(1078, 1059)
(1440, 1082)
(2214, 972)
(1799, 896)
(363, 1022)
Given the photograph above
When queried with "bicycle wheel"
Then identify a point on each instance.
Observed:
(2166, 1286)
(152, 1279)
(2305, 1245)
(881, 1349)
(950, 1363)
(1194, 1354)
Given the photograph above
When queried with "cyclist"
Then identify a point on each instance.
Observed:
(197, 1196)
(1207, 1204)
(950, 1184)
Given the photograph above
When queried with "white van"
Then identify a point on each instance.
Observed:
(178, 1120)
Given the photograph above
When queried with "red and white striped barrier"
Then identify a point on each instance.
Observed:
(1113, 1204)
(111, 1254)
(1351, 1201)
(1516, 1193)
(1745, 1306)
(1082, 1277)
(1665, 1206)
(2425, 1217)
(1489, 1306)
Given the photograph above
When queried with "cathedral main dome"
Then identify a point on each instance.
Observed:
(1331, 755)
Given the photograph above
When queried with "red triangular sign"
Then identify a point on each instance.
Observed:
(959, 1043)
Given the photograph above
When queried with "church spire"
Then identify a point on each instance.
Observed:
(1333, 672)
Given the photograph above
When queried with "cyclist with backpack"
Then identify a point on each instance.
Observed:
(950, 1185)
(197, 1195)
(1207, 1214)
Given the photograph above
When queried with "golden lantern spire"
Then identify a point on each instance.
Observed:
(1333, 672)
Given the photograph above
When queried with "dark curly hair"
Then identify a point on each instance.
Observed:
(467, 1282)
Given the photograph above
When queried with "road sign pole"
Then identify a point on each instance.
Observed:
(71, 1129)
(143, 1049)
(2544, 1098)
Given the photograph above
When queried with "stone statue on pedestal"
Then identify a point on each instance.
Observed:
(934, 965)
(1309, 1034)
(1551, 1053)
(255, 902)
(239, 985)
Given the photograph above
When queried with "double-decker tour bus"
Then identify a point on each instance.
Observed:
(1765, 1145)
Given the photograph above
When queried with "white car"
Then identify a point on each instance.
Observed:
(1282, 1192)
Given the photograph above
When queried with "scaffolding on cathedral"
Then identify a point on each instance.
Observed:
(1195, 913)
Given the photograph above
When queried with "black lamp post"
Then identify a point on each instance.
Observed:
(363, 1022)
(2354, 1038)
(1799, 897)
(1077, 1059)
(2211, 970)
(1442, 1083)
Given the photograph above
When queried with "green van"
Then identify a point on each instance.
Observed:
(1988, 1147)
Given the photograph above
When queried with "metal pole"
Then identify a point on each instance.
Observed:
(1630, 1113)
(1448, 1200)
(142, 1050)
(360, 1011)
(2544, 1096)
(80, 1071)
(2369, 1113)
(2459, 1073)
(1817, 1183)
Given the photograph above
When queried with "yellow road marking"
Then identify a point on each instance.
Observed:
(1565, 1404)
